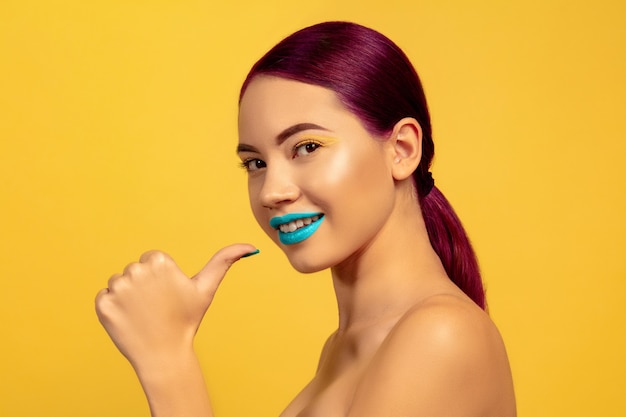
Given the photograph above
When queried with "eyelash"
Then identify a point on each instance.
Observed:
(306, 143)
(245, 165)
(301, 145)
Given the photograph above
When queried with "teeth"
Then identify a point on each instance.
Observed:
(297, 224)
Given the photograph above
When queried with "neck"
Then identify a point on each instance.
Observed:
(391, 274)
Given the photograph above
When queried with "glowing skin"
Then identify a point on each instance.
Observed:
(306, 153)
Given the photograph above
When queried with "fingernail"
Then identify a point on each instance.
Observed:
(254, 252)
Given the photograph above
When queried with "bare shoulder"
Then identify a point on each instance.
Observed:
(450, 329)
(450, 323)
(445, 357)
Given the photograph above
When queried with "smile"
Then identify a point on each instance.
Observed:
(296, 227)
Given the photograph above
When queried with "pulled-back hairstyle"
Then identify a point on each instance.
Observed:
(375, 80)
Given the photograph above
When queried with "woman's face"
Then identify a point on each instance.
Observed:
(319, 184)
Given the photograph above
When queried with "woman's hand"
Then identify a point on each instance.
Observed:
(152, 310)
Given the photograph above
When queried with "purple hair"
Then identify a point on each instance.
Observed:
(376, 81)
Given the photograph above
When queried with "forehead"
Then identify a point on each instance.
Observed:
(270, 104)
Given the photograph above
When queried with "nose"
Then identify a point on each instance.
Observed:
(278, 188)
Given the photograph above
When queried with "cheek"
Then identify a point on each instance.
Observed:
(335, 175)
(349, 177)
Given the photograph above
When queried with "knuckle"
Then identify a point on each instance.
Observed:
(100, 297)
(155, 257)
(104, 305)
(160, 258)
(132, 269)
(113, 283)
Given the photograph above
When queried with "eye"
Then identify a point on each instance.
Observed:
(307, 147)
(253, 164)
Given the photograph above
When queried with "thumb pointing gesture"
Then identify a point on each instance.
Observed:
(210, 277)
(152, 308)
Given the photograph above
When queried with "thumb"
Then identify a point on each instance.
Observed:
(209, 277)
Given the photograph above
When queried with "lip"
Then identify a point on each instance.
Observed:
(299, 235)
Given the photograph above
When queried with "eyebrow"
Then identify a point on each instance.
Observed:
(283, 136)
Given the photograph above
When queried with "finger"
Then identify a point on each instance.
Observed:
(154, 256)
(209, 278)
(113, 281)
(99, 301)
(101, 294)
(133, 268)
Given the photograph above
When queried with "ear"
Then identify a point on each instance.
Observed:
(405, 145)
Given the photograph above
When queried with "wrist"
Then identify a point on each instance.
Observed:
(174, 384)
(157, 365)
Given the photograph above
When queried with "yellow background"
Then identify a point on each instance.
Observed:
(118, 127)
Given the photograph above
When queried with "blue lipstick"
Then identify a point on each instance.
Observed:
(300, 234)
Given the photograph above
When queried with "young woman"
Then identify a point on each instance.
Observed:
(335, 135)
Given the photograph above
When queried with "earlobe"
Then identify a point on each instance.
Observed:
(406, 147)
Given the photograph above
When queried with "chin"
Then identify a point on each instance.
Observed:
(305, 267)
(306, 263)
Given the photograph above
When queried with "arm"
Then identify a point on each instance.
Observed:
(152, 312)
(175, 387)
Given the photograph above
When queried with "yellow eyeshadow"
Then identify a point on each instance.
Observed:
(324, 140)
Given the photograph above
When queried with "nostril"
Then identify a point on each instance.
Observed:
(278, 191)
(278, 198)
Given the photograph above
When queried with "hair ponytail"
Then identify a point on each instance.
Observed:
(449, 240)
